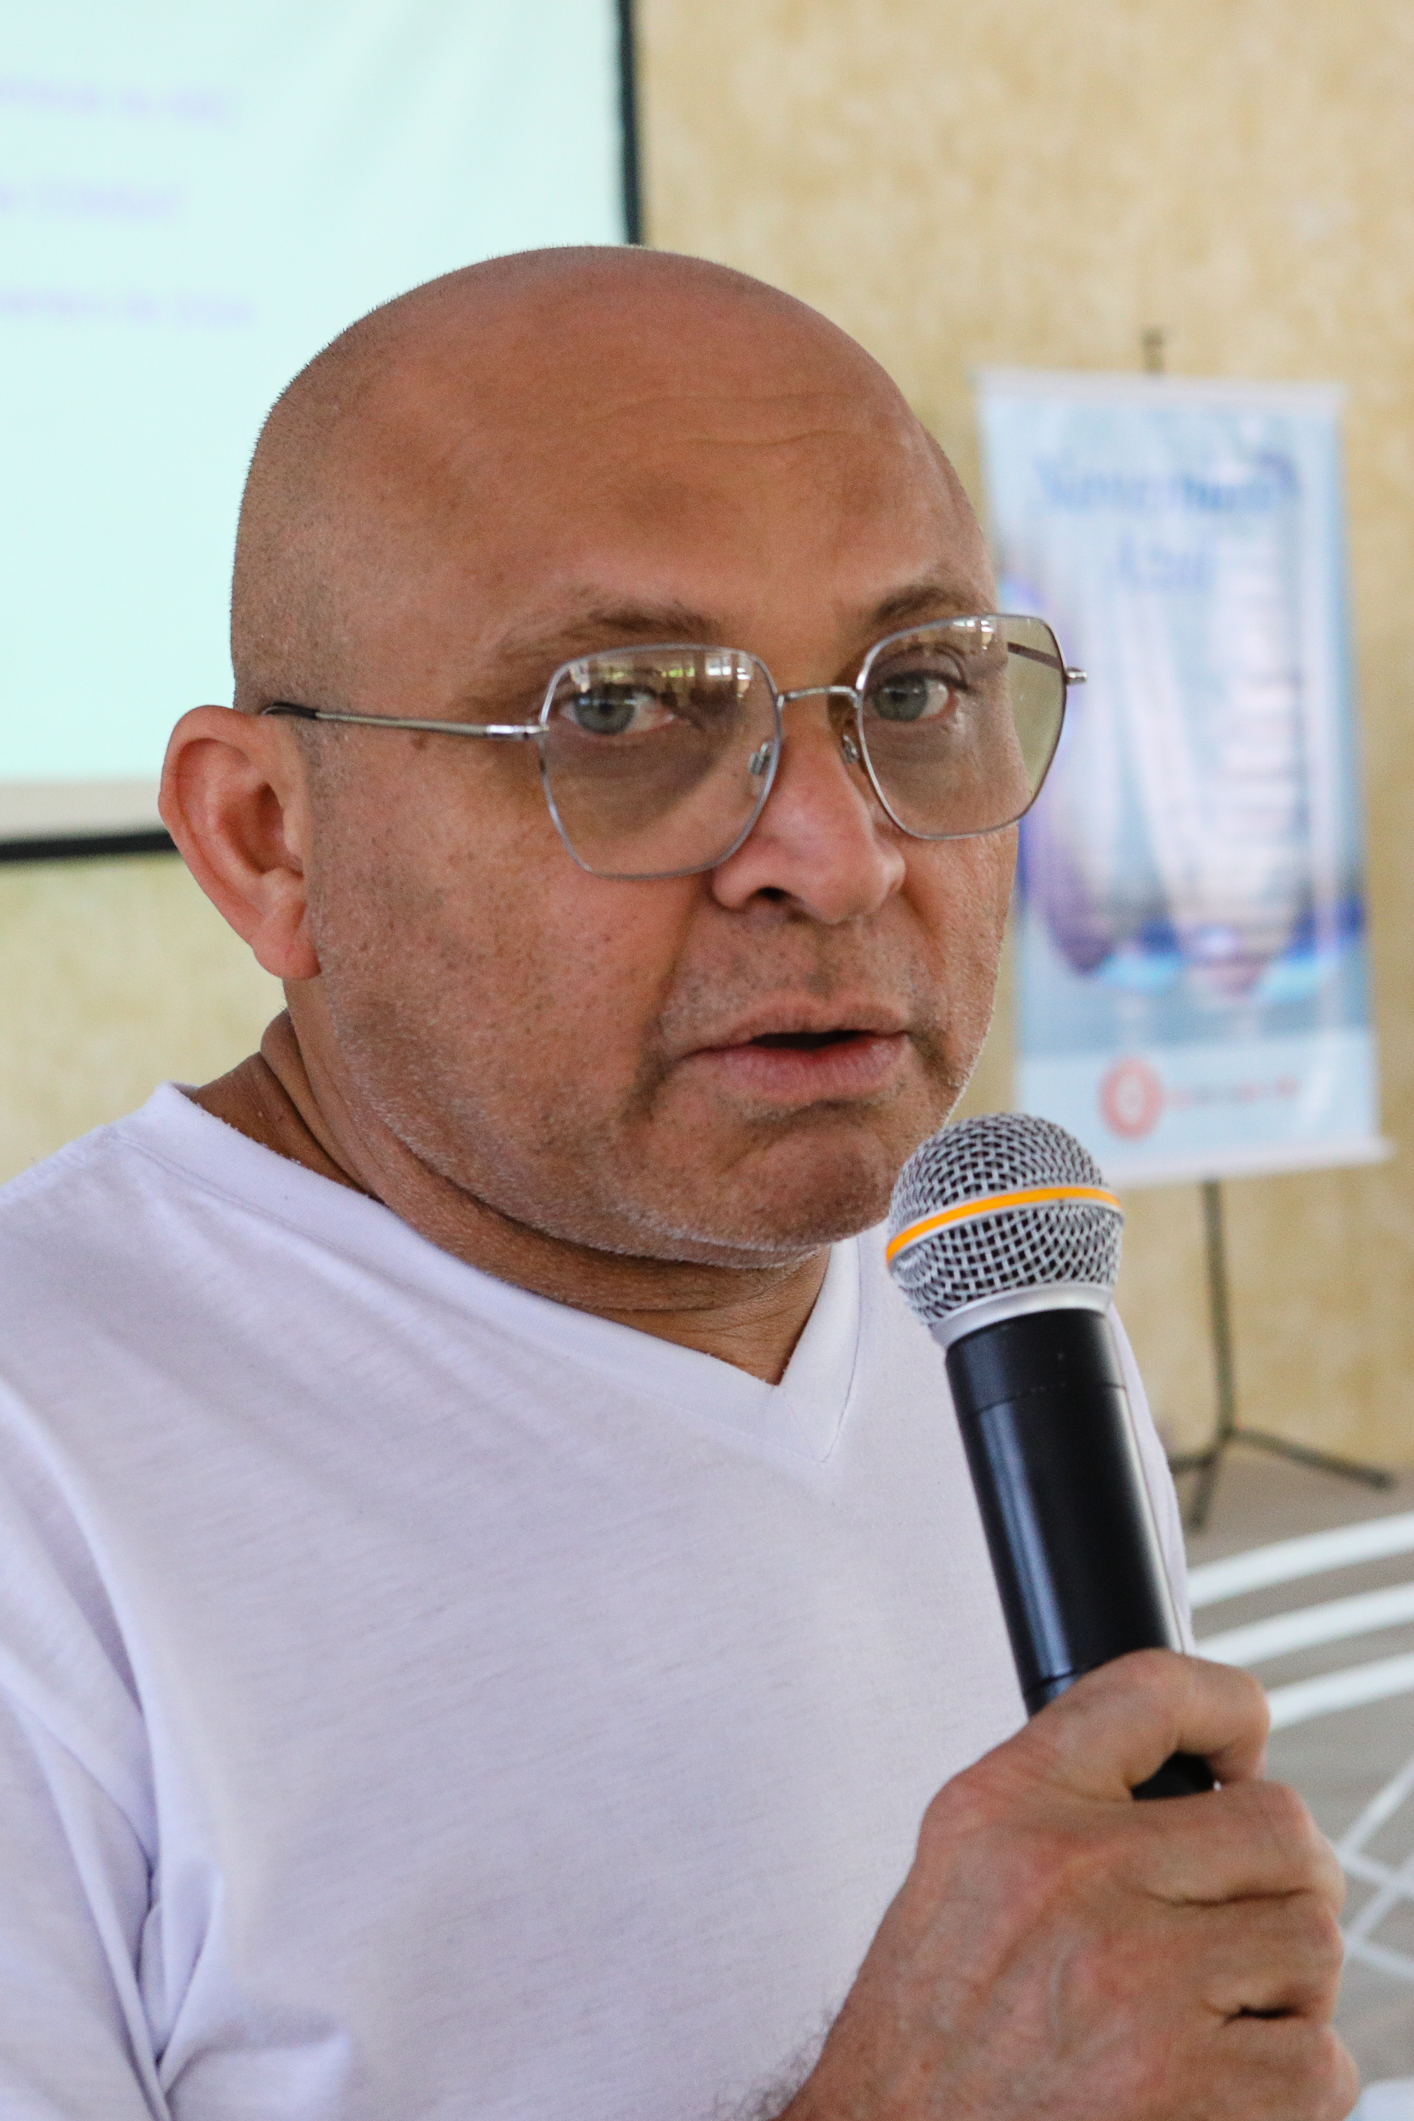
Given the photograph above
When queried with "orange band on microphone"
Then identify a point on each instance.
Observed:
(993, 1204)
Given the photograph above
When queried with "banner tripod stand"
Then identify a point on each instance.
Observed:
(1207, 1463)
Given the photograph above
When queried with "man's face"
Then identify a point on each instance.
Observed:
(728, 1067)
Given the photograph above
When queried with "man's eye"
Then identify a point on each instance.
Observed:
(912, 695)
(617, 711)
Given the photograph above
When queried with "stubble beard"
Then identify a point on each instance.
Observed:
(630, 1179)
(620, 1184)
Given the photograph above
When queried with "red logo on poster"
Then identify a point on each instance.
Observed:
(1131, 1099)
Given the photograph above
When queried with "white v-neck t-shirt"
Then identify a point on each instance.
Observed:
(419, 1699)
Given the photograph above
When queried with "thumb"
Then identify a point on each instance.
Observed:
(1120, 1723)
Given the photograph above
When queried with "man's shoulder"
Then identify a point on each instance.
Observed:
(82, 1222)
(55, 1196)
(148, 1178)
(169, 1248)
(105, 1225)
(124, 1155)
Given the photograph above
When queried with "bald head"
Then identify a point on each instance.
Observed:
(454, 430)
(555, 1071)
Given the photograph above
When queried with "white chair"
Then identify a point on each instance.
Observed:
(1380, 1679)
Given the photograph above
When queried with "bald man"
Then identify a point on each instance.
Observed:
(495, 1621)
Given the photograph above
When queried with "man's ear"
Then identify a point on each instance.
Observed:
(235, 800)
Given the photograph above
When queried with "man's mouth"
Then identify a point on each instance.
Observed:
(806, 1041)
(837, 1063)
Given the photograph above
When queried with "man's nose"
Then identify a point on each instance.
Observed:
(822, 840)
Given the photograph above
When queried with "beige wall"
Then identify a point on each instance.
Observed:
(1037, 183)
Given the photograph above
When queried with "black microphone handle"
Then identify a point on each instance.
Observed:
(1046, 1424)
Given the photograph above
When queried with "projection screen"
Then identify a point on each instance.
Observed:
(194, 197)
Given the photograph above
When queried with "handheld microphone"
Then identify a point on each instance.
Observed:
(1005, 1241)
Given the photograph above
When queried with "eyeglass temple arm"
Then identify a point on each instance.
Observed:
(1068, 671)
(290, 711)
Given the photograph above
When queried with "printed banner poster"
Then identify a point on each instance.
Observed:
(1193, 976)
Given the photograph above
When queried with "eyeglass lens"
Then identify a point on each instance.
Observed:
(658, 761)
(960, 722)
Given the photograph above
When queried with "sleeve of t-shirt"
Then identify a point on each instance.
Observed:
(75, 1835)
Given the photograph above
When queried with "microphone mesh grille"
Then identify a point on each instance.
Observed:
(1016, 1248)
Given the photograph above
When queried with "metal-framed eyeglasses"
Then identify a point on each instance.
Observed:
(657, 761)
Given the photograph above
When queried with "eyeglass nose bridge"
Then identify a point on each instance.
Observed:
(811, 692)
(849, 744)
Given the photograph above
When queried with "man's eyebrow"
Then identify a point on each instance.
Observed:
(928, 599)
(611, 625)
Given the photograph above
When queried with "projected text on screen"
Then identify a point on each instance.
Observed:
(193, 199)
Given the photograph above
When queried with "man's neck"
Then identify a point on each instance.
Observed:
(751, 1320)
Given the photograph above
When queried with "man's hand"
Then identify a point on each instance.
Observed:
(1059, 1950)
